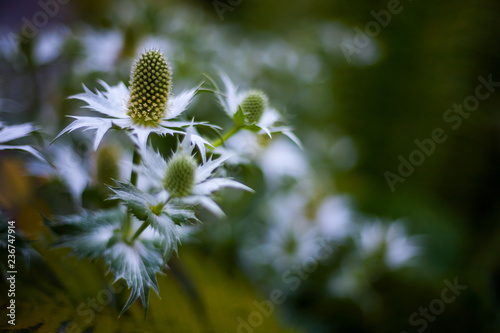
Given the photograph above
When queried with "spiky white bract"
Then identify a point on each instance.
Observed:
(13, 132)
(112, 104)
(155, 168)
(268, 121)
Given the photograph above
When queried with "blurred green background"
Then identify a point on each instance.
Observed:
(355, 115)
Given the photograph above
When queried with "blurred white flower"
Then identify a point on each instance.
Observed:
(13, 132)
(290, 239)
(102, 49)
(72, 168)
(373, 241)
(243, 148)
(397, 248)
(49, 44)
(334, 218)
(283, 159)
(353, 280)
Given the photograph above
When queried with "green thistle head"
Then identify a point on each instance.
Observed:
(150, 86)
(253, 105)
(179, 178)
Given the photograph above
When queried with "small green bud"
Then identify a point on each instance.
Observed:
(150, 86)
(179, 178)
(253, 105)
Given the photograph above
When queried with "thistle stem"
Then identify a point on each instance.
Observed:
(146, 224)
(139, 231)
(136, 159)
(226, 136)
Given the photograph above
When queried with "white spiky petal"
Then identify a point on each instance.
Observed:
(112, 105)
(13, 132)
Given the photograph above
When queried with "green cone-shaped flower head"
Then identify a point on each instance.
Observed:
(179, 178)
(253, 105)
(150, 86)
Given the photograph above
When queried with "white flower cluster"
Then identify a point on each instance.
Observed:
(162, 192)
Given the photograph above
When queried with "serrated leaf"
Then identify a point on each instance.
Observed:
(87, 234)
(239, 117)
(181, 215)
(144, 206)
(137, 264)
(253, 128)
(95, 234)
(138, 202)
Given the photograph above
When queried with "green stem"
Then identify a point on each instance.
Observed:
(136, 159)
(226, 136)
(157, 210)
(139, 231)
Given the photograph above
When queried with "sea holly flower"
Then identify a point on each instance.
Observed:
(147, 107)
(182, 178)
(13, 132)
(251, 110)
(253, 105)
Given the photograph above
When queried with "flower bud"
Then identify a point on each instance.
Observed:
(107, 165)
(150, 86)
(253, 105)
(179, 178)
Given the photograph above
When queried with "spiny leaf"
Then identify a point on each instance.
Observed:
(88, 234)
(144, 206)
(137, 264)
(239, 117)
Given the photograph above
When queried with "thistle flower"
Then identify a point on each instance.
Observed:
(184, 179)
(256, 110)
(254, 103)
(13, 132)
(148, 107)
(179, 178)
(150, 89)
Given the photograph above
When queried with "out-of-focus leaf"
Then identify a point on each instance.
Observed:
(84, 303)
(87, 234)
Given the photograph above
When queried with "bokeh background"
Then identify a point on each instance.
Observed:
(390, 251)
